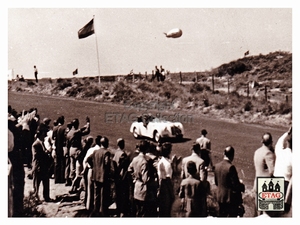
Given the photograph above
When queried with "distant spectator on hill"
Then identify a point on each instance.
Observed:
(21, 78)
(35, 70)
(157, 73)
(162, 73)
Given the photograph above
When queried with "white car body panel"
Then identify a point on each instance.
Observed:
(163, 128)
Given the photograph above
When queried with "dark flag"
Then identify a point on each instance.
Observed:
(87, 30)
(246, 53)
(75, 72)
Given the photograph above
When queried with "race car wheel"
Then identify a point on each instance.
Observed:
(156, 136)
(179, 137)
(135, 133)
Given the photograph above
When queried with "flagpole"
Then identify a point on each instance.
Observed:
(97, 50)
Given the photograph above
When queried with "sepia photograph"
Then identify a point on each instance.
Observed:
(150, 111)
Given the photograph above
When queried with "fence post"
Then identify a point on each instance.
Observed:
(247, 89)
(228, 84)
(152, 78)
(213, 83)
(180, 75)
(266, 93)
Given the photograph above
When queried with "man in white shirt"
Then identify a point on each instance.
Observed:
(283, 164)
(87, 176)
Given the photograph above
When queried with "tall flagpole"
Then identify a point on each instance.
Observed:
(97, 50)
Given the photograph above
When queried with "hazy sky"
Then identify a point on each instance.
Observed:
(132, 38)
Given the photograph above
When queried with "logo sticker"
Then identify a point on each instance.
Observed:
(270, 194)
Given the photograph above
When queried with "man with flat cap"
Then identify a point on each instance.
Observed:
(229, 186)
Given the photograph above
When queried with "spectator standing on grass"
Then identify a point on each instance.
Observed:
(193, 193)
(74, 143)
(283, 164)
(121, 163)
(24, 122)
(34, 124)
(264, 161)
(67, 156)
(48, 142)
(16, 160)
(166, 195)
(194, 157)
(131, 155)
(87, 176)
(100, 162)
(152, 184)
(59, 142)
(205, 149)
(140, 172)
(86, 145)
(35, 71)
(229, 186)
(40, 165)
(264, 158)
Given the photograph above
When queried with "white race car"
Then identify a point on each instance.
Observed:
(155, 128)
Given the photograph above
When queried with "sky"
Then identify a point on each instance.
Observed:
(131, 38)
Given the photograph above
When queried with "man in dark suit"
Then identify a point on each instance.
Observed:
(40, 165)
(60, 141)
(229, 186)
(121, 163)
(100, 162)
(74, 144)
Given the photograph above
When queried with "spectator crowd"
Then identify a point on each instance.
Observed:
(137, 182)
